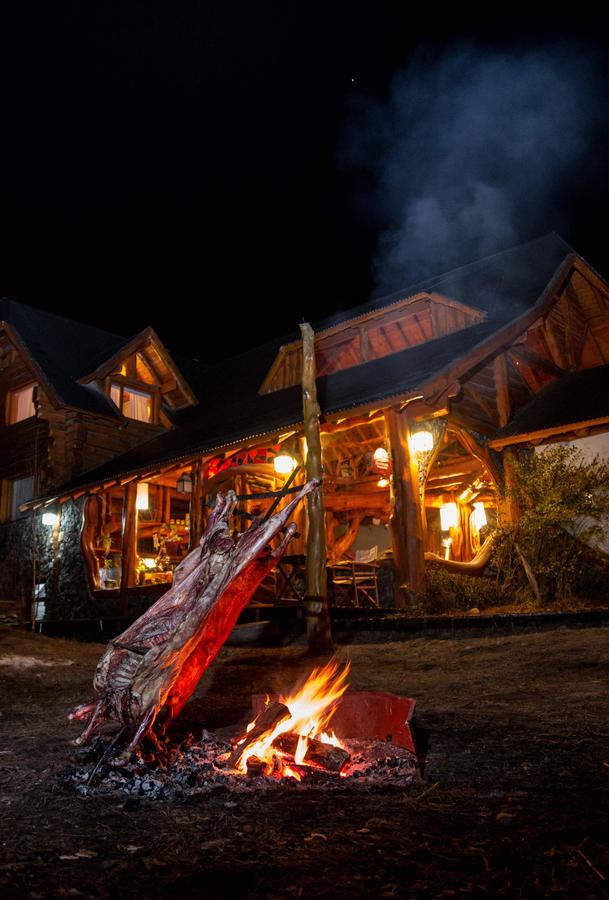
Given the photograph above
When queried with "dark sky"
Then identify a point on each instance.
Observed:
(183, 165)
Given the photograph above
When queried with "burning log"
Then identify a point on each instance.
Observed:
(151, 669)
(271, 716)
(318, 753)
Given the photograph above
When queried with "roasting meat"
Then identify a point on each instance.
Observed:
(147, 674)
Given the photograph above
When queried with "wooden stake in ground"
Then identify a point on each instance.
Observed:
(319, 631)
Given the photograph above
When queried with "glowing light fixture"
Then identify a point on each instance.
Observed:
(184, 484)
(380, 455)
(149, 562)
(382, 482)
(479, 515)
(284, 464)
(449, 516)
(421, 442)
(141, 501)
(380, 461)
(50, 518)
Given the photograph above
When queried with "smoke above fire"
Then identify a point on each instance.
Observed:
(472, 151)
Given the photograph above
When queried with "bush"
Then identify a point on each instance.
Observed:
(563, 503)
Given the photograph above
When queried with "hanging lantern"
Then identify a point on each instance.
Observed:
(141, 500)
(479, 515)
(382, 482)
(184, 484)
(380, 461)
(50, 518)
(449, 516)
(421, 442)
(284, 464)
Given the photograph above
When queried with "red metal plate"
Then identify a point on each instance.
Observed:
(367, 715)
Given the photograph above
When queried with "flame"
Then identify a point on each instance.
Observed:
(312, 707)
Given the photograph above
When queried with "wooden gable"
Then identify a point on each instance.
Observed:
(376, 334)
(570, 333)
(146, 361)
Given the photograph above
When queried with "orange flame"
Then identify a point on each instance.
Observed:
(312, 707)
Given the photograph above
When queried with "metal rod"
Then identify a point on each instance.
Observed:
(282, 493)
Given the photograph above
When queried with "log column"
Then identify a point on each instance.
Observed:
(196, 508)
(405, 520)
(508, 507)
(129, 549)
(319, 631)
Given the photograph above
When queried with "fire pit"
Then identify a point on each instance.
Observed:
(289, 734)
(319, 735)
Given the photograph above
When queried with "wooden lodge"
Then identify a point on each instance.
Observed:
(113, 450)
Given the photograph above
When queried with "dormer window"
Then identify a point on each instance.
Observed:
(20, 404)
(143, 381)
(133, 403)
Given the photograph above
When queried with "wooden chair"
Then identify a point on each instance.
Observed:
(362, 578)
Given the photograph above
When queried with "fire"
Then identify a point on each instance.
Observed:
(311, 708)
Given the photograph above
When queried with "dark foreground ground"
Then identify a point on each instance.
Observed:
(515, 800)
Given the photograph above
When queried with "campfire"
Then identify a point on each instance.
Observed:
(290, 734)
(319, 735)
(146, 675)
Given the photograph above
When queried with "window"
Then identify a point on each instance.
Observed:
(20, 404)
(12, 494)
(133, 403)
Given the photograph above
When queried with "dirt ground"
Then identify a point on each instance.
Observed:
(513, 803)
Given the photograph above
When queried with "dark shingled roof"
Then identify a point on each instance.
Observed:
(503, 285)
(65, 351)
(231, 410)
(576, 397)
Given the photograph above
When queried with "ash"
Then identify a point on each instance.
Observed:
(194, 769)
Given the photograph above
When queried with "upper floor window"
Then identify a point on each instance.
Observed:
(14, 492)
(20, 404)
(133, 403)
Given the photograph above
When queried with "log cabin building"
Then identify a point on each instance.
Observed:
(113, 449)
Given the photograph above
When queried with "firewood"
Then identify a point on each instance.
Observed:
(272, 715)
(326, 756)
(255, 766)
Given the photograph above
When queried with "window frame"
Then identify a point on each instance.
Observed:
(124, 383)
(8, 403)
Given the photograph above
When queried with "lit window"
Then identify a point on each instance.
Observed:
(20, 404)
(133, 404)
(137, 405)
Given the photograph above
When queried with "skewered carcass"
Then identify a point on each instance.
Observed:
(147, 674)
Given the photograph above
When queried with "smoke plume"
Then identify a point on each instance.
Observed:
(473, 151)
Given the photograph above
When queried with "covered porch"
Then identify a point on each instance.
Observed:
(398, 482)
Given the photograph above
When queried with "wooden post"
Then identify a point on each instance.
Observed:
(319, 631)
(502, 389)
(196, 509)
(129, 550)
(508, 507)
(92, 528)
(405, 519)
(166, 504)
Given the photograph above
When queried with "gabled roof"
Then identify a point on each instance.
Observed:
(576, 401)
(63, 350)
(66, 353)
(502, 285)
(511, 287)
(147, 339)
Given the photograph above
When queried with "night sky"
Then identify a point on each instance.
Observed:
(190, 166)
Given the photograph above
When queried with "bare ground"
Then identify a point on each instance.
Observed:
(514, 800)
